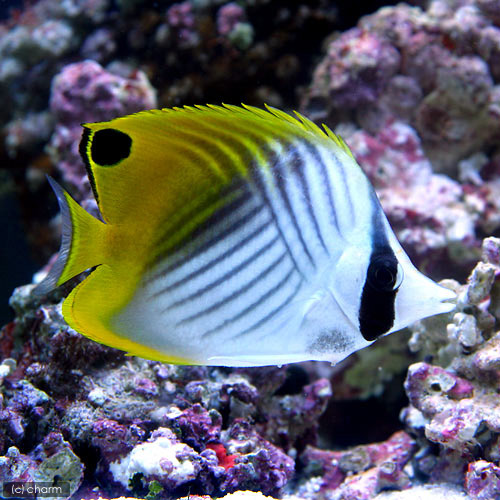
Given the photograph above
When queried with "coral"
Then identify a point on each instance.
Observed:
(454, 400)
(53, 459)
(231, 24)
(258, 465)
(357, 67)
(181, 18)
(228, 16)
(359, 473)
(428, 59)
(482, 480)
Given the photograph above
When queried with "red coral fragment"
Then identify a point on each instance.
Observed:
(225, 460)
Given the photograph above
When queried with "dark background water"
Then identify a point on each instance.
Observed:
(7, 5)
(16, 263)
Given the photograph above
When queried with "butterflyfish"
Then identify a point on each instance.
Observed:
(232, 236)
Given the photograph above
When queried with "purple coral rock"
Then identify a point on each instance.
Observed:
(180, 16)
(228, 16)
(393, 157)
(486, 362)
(113, 439)
(198, 426)
(85, 91)
(482, 480)
(357, 67)
(258, 464)
(363, 471)
(145, 387)
(439, 81)
(426, 385)
(457, 417)
(491, 251)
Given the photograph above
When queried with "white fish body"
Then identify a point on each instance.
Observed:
(294, 261)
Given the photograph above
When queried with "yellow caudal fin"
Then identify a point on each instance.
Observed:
(82, 244)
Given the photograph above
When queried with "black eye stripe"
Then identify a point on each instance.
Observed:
(109, 147)
(382, 271)
(376, 312)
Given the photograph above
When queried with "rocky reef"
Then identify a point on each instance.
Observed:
(415, 92)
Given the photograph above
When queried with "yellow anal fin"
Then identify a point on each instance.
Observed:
(90, 307)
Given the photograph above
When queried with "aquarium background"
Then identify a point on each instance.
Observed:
(414, 89)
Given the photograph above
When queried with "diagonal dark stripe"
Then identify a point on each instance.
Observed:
(298, 167)
(326, 181)
(346, 191)
(235, 294)
(279, 176)
(259, 182)
(226, 276)
(214, 239)
(235, 200)
(252, 306)
(271, 314)
(216, 261)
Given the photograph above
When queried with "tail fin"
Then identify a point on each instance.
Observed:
(82, 244)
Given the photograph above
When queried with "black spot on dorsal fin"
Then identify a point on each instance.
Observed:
(110, 146)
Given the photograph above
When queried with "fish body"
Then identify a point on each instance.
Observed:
(232, 236)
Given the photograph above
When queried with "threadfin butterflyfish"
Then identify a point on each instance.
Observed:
(232, 236)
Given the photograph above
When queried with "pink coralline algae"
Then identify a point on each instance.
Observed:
(256, 461)
(357, 67)
(454, 400)
(87, 92)
(482, 480)
(432, 68)
(181, 18)
(228, 16)
(359, 473)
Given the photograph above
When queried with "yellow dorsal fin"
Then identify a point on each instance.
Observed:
(134, 159)
(338, 140)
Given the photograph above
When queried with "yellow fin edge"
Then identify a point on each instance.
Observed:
(96, 328)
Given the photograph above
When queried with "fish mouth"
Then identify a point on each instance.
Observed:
(447, 299)
(419, 297)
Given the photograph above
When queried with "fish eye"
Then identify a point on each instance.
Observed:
(109, 147)
(385, 273)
